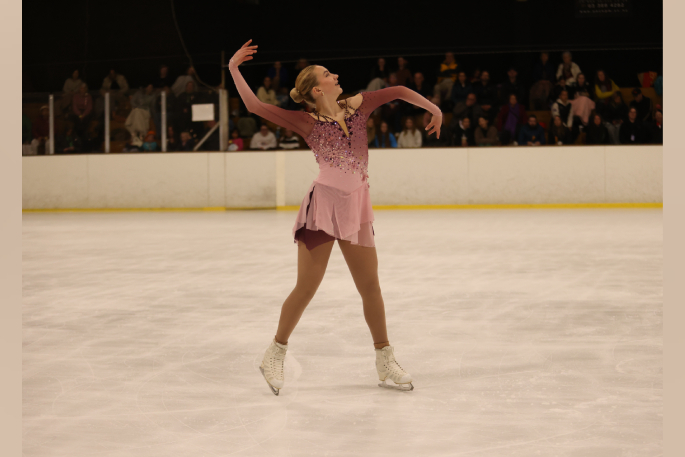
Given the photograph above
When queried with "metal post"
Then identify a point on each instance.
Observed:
(164, 129)
(51, 147)
(223, 119)
(107, 116)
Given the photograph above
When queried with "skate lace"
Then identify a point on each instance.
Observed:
(276, 363)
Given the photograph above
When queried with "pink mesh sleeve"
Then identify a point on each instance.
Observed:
(297, 121)
(376, 98)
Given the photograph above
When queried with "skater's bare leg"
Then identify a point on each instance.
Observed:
(311, 266)
(363, 264)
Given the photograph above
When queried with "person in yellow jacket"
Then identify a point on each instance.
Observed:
(605, 88)
(446, 77)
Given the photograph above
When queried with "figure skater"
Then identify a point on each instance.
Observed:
(337, 205)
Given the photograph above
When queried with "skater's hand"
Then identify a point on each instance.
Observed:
(435, 123)
(244, 53)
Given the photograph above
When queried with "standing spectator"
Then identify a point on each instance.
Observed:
(485, 135)
(404, 76)
(278, 75)
(656, 128)
(596, 132)
(447, 76)
(419, 85)
(461, 89)
(71, 86)
(266, 93)
(115, 84)
(532, 134)
(82, 106)
(543, 85)
(468, 108)
(289, 140)
(264, 139)
(616, 114)
(40, 131)
(580, 88)
(559, 133)
(235, 143)
(187, 143)
(182, 81)
(410, 137)
(543, 70)
(513, 86)
(632, 131)
(371, 132)
(487, 95)
(138, 120)
(463, 134)
(150, 145)
(643, 105)
(379, 76)
(384, 138)
(567, 69)
(163, 80)
(511, 118)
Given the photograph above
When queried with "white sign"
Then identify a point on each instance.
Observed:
(204, 112)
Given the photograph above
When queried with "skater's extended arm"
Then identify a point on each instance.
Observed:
(297, 121)
(376, 98)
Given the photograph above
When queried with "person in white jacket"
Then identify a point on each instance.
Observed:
(410, 137)
(264, 139)
(564, 109)
(567, 70)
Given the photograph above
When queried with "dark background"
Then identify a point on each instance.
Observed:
(346, 37)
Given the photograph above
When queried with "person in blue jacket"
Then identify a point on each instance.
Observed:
(385, 139)
(532, 134)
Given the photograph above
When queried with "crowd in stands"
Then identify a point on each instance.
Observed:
(557, 107)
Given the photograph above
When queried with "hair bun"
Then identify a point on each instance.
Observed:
(295, 95)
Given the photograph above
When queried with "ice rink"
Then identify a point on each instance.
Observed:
(527, 332)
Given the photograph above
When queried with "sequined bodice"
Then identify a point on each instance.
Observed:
(333, 149)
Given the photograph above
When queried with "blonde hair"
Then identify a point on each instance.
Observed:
(305, 82)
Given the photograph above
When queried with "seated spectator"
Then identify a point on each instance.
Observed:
(71, 86)
(643, 105)
(40, 131)
(532, 134)
(487, 95)
(404, 75)
(463, 134)
(513, 86)
(392, 111)
(604, 87)
(656, 128)
(510, 119)
(266, 93)
(163, 80)
(419, 85)
(182, 81)
(558, 87)
(235, 143)
(410, 137)
(461, 89)
(616, 113)
(469, 109)
(564, 109)
(138, 120)
(172, 141)
(581, 88)
(543, 70)
(130, 147)
(150, 145)
(289, 140)
(596, 132)
(264, 139)
(447, 76)
(559, 133)
(485, 135)
(582, 108)
(633, 130)
(371, 132)
(567, 70)
(187, 142)
(116, 85)
(379, 76)
(68, 143)
(384, 138)
(82, 107)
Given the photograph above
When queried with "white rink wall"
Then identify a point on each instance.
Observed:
(431, 176)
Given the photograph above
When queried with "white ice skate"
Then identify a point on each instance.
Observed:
(272, 365)
(388, 368)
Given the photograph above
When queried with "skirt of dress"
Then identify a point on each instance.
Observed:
(328, 214)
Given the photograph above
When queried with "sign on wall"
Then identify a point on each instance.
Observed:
(603, 8)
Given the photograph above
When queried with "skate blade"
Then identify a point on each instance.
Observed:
(403, 387)
(273, 389)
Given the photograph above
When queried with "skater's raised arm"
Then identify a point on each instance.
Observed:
(297, 121)
(376, 98)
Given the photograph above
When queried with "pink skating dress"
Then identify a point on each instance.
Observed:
(337, 204)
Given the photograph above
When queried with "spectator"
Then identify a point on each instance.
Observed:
(187, 142)
(632, 131)
(82, 106)
(138, 120)
(371, 131)
(469, 109)
(582, 108)
(150, 145)
(266, 93)
(564, 109)
(182, 81)
(235, 143)
(410, 137)
(604, 87)
(659, 85)
(71, 86)
(580, 88)
(475, 76)
(511, 118)
(419, 85)
(532, 134)
(461, 89)
(172, 141)
(384, 138)
(559, 86)
(643, 105)
(130, 147)
(40, 131)
(447, 76)
(183, 116)
(278, 75)
(656, 128)
(559, 133)
(616, 114)
(289, 140)
(463, 134)
(247, 126)
(68, 143)
(392, 111)
(567, 69)
(596, 132)
(513, 86)
(115, 84)
(264, 139)
(164, 80)
(404, 76)
(543, 70)
(379, 76)
(487, 95)
(485, 135)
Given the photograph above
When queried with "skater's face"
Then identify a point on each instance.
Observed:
(328, 83)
